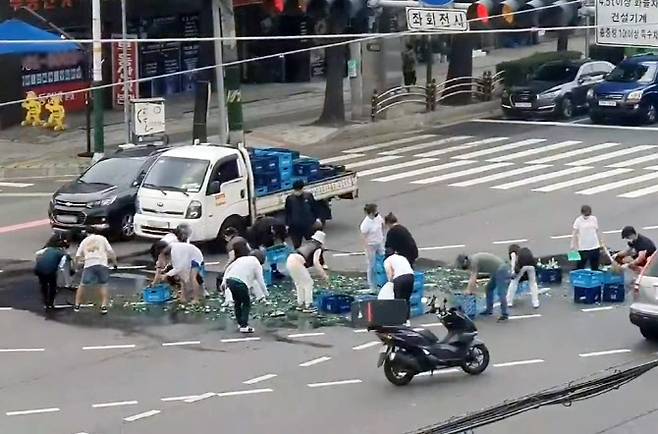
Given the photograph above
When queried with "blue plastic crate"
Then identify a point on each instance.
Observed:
(417, 310)
(470, 304)
(264, 163)
(612, 278)
(364, 297)
(270, 180)
(308, 167)
(327, 172)
(286, 185)
(335, 303)
(549, 275)
(292, 153)
(284, 158)
(157, 294)
(267, 275)
(285, 173)
(586, 278)
(586, 295)
(262, 191)
(416, 299)
(419, 282)
(523, 288)
(277, 254)
(613, 292)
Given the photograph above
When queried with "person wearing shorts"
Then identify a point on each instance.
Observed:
(95, 254)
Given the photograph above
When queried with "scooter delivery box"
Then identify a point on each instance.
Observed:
(373, 313)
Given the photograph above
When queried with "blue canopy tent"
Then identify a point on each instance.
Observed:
(17, 30)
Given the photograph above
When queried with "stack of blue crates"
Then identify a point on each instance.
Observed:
(306, 169)
(586, 286)
(416, 301)
(273, 169)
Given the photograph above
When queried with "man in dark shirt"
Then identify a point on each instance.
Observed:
(399, 239)
(266, 232)
(640, 249)
(301, 215)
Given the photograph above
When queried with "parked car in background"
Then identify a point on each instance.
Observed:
(629, 92)
(644, 309)
(103, 197)
(557, 89)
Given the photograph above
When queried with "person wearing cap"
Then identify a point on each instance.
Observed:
(301, 214)
(298, 264)
(245, 274)
(499, 278)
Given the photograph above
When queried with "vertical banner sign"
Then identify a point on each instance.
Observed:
(124, 52)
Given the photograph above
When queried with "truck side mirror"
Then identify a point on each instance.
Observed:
(214, 187)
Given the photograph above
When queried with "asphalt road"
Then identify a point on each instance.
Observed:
(75, 373)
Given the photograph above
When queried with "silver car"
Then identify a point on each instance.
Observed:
(644, 309)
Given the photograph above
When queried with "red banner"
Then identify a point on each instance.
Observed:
(131, 53)
(73, 102)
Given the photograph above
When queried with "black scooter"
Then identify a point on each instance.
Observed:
(407, 352)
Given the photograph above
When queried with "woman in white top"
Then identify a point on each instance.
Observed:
(372, 233)
(400, 273)
(586, 238)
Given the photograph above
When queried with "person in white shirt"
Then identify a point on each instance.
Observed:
(305, 257)
(242, 275)
(94, 254)
(400, 273)
(187, 267)
(586, 238)
(372, 233)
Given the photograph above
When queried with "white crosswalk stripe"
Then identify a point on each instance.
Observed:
(461, 173)
(389, 144)
(636, 161)
(573, 153)
(617, 184)
(341, 158)
(544, 177)
(534, 151)
(396, 166)
(423, 171)
(582, 180)
(497, 149)
(641, 192)
(469, 145)
(609, 155)
(372, 161)
(497, 176)
(15, 184)
(426, 145)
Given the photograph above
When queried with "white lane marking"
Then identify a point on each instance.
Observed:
(178, 398)
(610, 155)
(382, 169)
(605, 353)
(641, 192)
(109, 347)
(35, 411)
(426, 145)
(315, 361)
(141, 415)
(501, 175)
(339, 255)
(15, 184)
(614, 231)
(581, 180)
(597, 309)
(234, 340)
(27, 194)
(372, 161)
(580, 151)
(432, 324)
(200, 397)
(496, 149)
(361, 331)
(334, 383)
(518, 240)
(534, 315)
(535, 151)
(539, 178)
(617, 184)
(439, 372)
(468, 145)
(305, 335)
(450, 246)
(459, 174)
(5, 309)
(244, 392)
(411, 173)
(259, 379)
(366, 345)
(340, 158)
(565, 124)
(560, 237)
(22, 350)
(390, 143)
(114, 404)
(181, 343)
(649, 228)
(518, 363)
(635, 161)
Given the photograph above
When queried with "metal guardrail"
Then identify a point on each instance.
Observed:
(482, 88)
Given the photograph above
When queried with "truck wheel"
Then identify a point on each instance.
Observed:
(233, 221)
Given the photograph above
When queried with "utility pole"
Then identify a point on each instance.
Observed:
(233, 92)
(97, 94)
(219, 72)
(126, 86)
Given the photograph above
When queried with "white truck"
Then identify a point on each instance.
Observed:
(211, 187)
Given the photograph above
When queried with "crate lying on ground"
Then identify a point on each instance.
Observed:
(470, 304)
(330, 302)
(548, 275)
(374, 313)
(157, 294)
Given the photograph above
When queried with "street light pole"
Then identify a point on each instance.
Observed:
(97, 52)
(219, 73)
(233, 94)
(126, 87)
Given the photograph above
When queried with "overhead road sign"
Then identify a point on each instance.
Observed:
(426, 19)
(627, 23)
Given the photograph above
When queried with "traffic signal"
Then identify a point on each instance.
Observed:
(563, 13)
(510, 12)
(479, 13)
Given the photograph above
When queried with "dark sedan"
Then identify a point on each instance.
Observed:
(103, 197)
(557, 89)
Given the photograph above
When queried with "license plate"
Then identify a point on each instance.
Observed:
(157, 224)
(523, 104)
(67, 218)
(607, 103)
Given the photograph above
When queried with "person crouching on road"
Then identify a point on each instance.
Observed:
(372, 232)
(633, 259)
(298, 263)
(245, 274)
(46, 268)
(522, 264)
(236, 247)
(400, 273)
(499, 278)
(187, 267)
(94, 254)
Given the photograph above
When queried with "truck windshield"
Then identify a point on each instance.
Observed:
(175, 173)
(113, 171)
(633, 72)
(559, 72)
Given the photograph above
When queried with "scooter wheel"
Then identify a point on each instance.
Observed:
(396, 374)
(476, 360)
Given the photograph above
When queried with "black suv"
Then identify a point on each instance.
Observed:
(557, 89)
(103, 197)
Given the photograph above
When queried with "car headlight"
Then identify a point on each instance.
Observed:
(103, 202)
(590, 94)
(550, 94)
(634, 96)
(193, 210)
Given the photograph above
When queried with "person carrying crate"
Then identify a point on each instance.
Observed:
(298, 263)
(499, 278)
